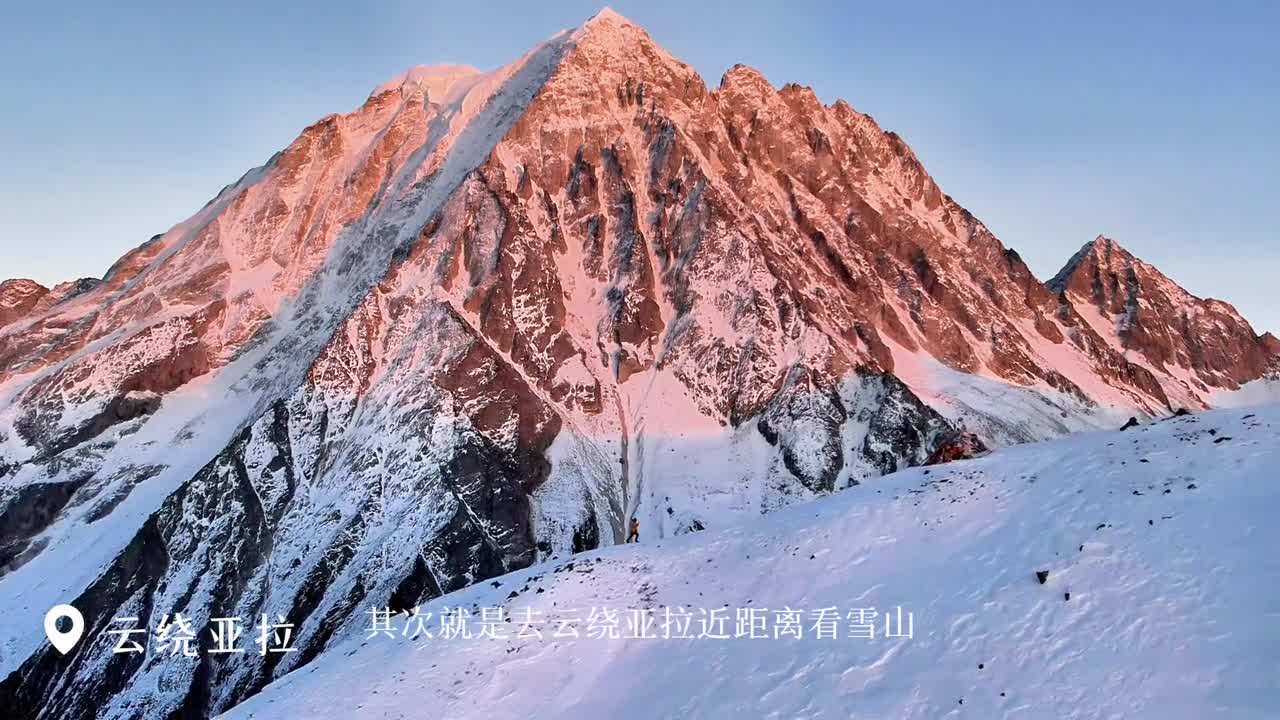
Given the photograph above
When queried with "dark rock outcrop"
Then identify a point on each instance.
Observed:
(957, 446)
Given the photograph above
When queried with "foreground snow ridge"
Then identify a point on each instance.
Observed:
(1159, 601)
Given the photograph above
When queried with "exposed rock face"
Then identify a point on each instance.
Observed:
(957, 446)
(815, 430)
(486, 318)
(1272, 344)
(1193, 345)
(18, 298)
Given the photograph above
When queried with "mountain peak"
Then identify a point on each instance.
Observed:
(1107, 274)
(477, 300)
(744, 76)
(1100, 251)
(610, 56)
(19, 296)
(1109, 247)
(606, 16)
(1149, 313)
(610, 27)
(1271, 343)
(1102, 242)
(23, 283)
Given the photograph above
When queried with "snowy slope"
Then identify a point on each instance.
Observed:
(1164, 537)
(1262, 391)
(139, 465)
(489, 317)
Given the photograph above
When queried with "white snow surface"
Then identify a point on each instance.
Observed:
(1001, 412)
(656, 454)
(1262, 391)
(1164, 537)
(197, 420)
(437, 80)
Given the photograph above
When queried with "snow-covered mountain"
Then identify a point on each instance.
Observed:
(1194, 347)
(1158, 602)
(485, 318)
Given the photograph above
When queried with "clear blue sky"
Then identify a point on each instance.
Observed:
(1155, 123)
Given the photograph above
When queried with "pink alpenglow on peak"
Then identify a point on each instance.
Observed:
(1195, 346)
(607, 16)
(487, 319)
(435, 80)
(18, 297)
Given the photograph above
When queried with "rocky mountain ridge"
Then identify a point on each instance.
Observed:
(1193, 344)
(485, 318)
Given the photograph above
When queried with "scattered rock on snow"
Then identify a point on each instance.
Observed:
(958, 446)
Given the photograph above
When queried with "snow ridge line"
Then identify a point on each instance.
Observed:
(283, 351)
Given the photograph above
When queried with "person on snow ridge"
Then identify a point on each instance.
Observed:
(634, 535)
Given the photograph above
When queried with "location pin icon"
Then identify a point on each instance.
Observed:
(63, 641)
